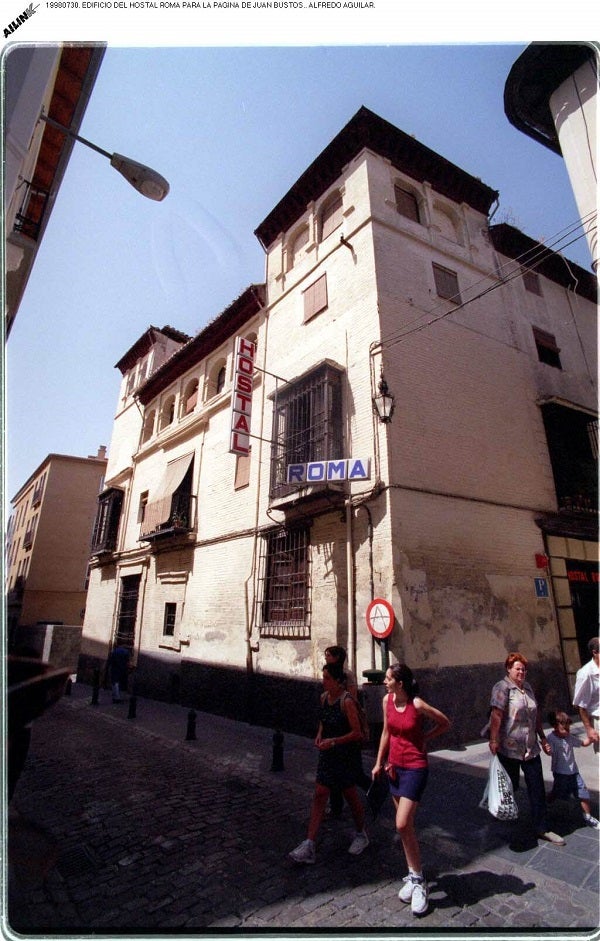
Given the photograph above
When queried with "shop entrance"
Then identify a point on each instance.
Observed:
(583, 585)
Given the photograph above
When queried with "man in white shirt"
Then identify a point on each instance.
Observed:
(587, 693)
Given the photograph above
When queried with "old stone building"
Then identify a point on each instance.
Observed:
(256, 503)
(49, 537)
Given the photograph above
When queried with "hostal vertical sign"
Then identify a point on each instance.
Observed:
(241, 398)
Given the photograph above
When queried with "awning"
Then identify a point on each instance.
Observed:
(159, 510)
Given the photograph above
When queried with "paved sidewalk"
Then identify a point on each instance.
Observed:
(120, 825)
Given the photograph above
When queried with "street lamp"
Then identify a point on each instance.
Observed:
(383, 403)
(145, 180)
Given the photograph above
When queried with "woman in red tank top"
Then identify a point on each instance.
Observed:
(408, 724)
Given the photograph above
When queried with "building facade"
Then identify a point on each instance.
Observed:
(258, 505)
(55, 80)
(48, 542)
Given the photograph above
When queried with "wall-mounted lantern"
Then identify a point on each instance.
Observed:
(383, 402)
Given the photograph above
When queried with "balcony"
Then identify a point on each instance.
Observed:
(29, 218)
(168, 518)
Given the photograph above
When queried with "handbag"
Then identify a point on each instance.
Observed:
(378, 793)
(498, 796)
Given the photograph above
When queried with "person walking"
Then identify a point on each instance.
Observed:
(338, 739)
(515, 726)
(567, 777)
(119, 671)
(337, 654)
(587, 693)
(408, 724)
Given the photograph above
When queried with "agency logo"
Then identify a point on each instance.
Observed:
(25, 15)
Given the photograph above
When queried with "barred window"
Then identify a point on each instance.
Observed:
(169, 619)
(284, 573)
(307, 424)
(106, 526)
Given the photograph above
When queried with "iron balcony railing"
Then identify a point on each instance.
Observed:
(29, 218)
(161, 519)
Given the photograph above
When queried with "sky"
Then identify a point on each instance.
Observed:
(231, 127)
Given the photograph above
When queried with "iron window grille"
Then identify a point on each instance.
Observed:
(307, 424)
(284, 577)
(128, 602)
(30, 216)
(106, 526)
(169, 619)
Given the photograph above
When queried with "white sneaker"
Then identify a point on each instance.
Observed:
(551, 837)
(419, 902)
(591, 821)
(406, 890)
(304, 853)
(359, 843)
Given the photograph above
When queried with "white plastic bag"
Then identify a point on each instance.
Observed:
(498, 796)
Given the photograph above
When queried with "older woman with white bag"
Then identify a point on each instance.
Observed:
(515, 726)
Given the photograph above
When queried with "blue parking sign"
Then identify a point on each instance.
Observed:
(541, 587)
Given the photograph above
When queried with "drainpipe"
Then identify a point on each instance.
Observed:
(350, 584)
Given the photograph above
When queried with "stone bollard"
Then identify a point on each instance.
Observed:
(95, 687)
(277, 763)
(190, 734)
(131, 714)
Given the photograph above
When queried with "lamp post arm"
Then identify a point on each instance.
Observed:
(65, 130)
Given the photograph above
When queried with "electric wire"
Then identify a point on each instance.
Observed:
(514, 268)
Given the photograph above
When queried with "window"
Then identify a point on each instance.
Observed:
(571, 450)
(307, 423)
(531, 282)
(106, 526)
(284, 568)
(169, 619)
(126, 618)
(148, 430)
(446, 283)
(168, 412)
(216, 379)
(221, 379)
(297, 247)
(407, 204)
(331, 216)
(190, 397)
(170, 510)
(315, 298)
(547, 350)
(242, 471)
(142, 506)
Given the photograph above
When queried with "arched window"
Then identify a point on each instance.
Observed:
(446, 222)
(190, 397)
(216, 379)
(167, 415)
(148, 426)
(331, 215)
(297, 245)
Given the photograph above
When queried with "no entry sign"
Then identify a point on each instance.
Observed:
(380, 618)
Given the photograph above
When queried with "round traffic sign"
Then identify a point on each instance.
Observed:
(380, 618)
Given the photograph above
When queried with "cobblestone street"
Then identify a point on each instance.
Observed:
(119, 825)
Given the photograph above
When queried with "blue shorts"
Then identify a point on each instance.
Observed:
(410, 782)
(570, 785)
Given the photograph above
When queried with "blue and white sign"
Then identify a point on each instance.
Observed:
(541, 587)
(322, 472)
